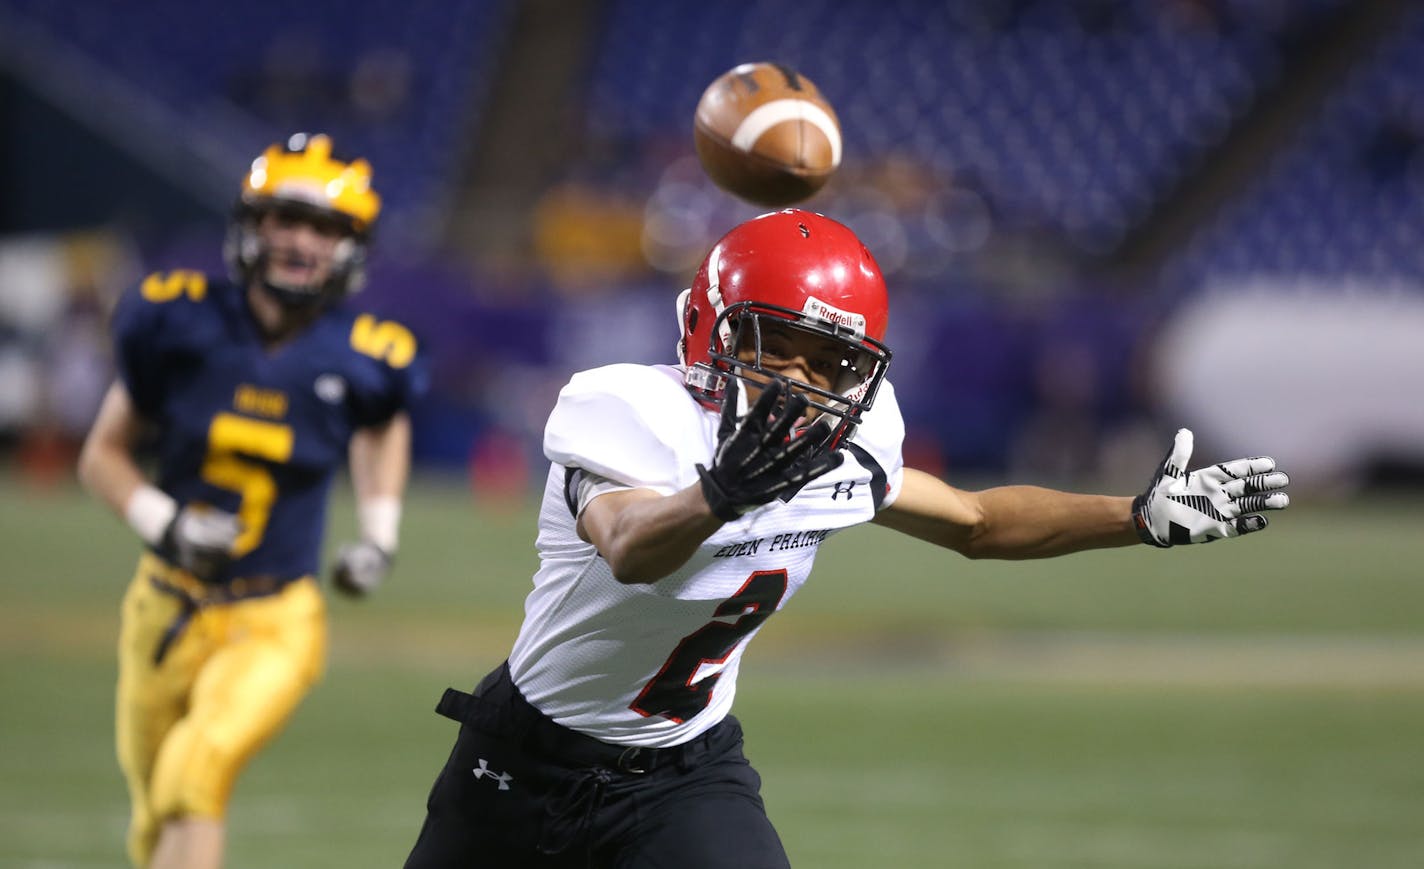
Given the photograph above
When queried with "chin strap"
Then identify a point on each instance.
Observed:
(295, 300)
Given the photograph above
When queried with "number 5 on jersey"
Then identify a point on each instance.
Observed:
(230, 439)
(383, 339)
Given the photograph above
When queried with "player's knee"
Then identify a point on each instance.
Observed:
(194, 776)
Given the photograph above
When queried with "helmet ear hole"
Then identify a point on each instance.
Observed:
(691, 317)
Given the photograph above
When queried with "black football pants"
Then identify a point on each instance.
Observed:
(521, 792)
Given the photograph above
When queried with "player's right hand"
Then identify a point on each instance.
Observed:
(758, 459)
(200, 541)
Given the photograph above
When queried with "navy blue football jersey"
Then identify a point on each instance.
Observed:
(255, 431)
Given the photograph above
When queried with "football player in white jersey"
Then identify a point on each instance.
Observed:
(684, 507)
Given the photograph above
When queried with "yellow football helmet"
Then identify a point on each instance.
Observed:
(305, 172)
(303, 176)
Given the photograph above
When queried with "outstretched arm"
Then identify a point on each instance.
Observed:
(1009, 521)
(1224, 500)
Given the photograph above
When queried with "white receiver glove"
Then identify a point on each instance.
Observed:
(360, 568)
(200, 541)
(1208, 504)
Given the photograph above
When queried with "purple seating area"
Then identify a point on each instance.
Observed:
(396, 83)
(1073, 117)
(1346, 199)
(1057, 119)
(1070, 118)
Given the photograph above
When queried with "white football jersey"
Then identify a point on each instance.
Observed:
(656, 664)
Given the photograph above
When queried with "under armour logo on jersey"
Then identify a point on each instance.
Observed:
(503, 778)
(843, 488)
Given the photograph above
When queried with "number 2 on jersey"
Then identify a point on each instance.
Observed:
(671, 693)
(230, 437)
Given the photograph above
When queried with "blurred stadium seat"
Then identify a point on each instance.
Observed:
(1346, 200)
(396, 83)
(1072, 116)
(998, 154)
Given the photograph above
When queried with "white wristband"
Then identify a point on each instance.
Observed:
(379, 521)
(148, 512)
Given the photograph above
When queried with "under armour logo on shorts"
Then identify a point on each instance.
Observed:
(502, 778)
(842, 488)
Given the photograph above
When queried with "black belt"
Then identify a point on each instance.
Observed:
(497, 697)
(189, 604)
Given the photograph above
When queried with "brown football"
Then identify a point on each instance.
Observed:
(764, 133)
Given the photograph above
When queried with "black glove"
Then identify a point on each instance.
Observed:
(1207, 504)
(200, 541)
(758, 459)
(360, 568)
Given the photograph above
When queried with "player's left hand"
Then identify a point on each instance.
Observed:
(1207, 504)
(360, 568)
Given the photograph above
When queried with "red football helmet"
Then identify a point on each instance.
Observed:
(799, 268)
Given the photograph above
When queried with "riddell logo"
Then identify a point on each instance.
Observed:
(819, 310)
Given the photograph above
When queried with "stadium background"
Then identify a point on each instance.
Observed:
(1100, 220)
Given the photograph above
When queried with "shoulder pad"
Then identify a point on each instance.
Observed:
(178, 285)
(636, 424)
(168, 304)
(380, 338)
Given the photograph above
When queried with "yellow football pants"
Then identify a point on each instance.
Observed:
(228, 681)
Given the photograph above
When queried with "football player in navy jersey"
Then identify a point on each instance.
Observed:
(254, 392)
(684, 507)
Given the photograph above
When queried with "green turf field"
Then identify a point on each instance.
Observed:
(1248, 704)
